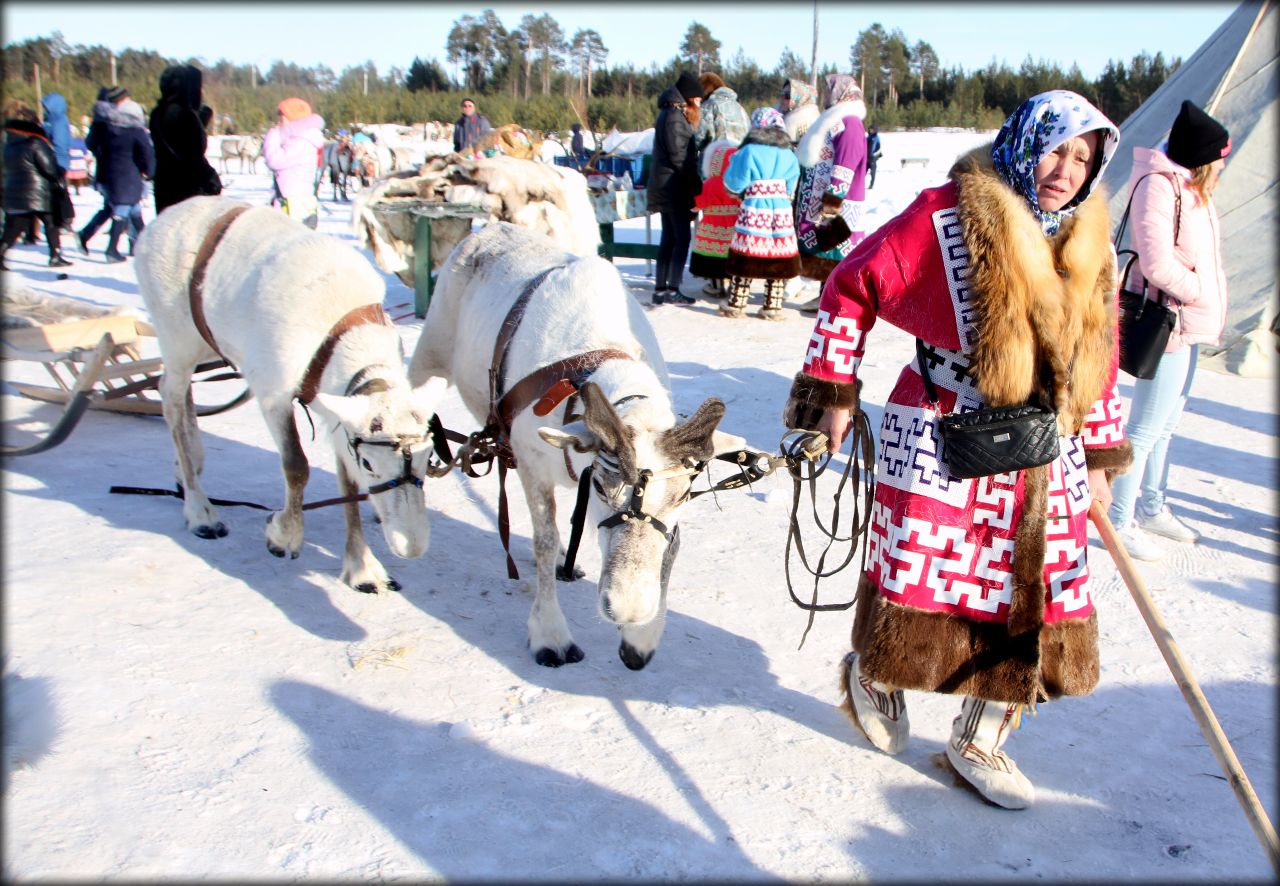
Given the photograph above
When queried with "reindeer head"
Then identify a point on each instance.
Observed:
(382, 443)
(642, 471)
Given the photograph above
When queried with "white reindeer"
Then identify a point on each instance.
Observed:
(300, 315)
(640, 458)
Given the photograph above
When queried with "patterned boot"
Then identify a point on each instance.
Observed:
(878, 711)
(736, 305)
(974, 750)
(773, 293)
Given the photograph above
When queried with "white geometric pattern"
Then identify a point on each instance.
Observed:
(955, 265)
(838, 340)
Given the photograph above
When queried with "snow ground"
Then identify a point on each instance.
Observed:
(225, 714)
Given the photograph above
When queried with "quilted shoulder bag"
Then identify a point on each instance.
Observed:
(994, 440)
(1145, 324)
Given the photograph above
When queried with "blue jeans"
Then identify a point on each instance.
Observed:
(1153, 415)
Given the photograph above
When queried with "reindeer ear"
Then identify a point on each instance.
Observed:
(428, 394)
(574, 435)
(696, 437)
(350, 411)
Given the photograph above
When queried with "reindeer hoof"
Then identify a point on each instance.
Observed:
(275, 551)
(550, 658)
(631, 658)
(561, 575)
(393, 585)
(217, 530)
(367, 587)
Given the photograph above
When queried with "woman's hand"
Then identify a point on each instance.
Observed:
(835, 424)
(1099, 488)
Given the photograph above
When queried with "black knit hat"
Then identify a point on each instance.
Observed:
(117, 93)
(688, 86)
(1197, 139)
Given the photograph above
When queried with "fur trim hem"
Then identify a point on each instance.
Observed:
(831, 234)
(815, 267)
(810, 397)
(1112, 459)
(755, 268)
(708, 267)
(910, 648)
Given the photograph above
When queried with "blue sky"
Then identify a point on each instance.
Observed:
(340, 35)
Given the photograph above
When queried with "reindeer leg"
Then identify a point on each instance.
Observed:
(549, 638)
(284, 527)
(640, 642)
(179, 413)
(360, 568)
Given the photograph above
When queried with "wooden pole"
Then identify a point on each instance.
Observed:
(1225, 82)
(813, 58)
(113, 69)
(1213, 733)
(35, 68)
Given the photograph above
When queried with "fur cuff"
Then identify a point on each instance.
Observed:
(1115, 460)
(811, 397)
(832, 234)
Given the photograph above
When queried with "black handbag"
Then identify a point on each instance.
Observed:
(1145, 324)
(995, 440)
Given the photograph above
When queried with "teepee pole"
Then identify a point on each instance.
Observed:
(1235, 62)
(1213, 733)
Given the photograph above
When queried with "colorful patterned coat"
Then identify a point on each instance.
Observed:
(977, 587)
(719, 210)
(764, 171)
(833, 176)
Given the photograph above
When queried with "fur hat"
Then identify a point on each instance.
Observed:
(710, 82)
(116, 94)
(688, 86)
(294, 109)
(1197, 139)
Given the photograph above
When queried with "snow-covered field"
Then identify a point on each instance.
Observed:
(225, 714)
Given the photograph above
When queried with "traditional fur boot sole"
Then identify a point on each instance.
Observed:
(732, 312)
(880, 716)
(774, 314)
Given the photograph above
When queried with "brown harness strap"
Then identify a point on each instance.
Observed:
(536, 384)
(503, 342)
(196, 288)
(365, 314)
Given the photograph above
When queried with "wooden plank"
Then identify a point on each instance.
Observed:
(72, 334)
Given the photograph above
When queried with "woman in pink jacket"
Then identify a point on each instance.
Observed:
(292, 152)
(1179, 244)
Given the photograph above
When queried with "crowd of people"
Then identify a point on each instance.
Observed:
(1005, 274)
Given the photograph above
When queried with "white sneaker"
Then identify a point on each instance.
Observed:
(1164, 523)
(1139, 545)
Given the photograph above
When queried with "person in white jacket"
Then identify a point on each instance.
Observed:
(1179, 244)
(292, 152)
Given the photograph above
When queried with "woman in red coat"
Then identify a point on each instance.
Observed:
(980, 587)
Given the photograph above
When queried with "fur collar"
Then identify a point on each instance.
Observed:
(1046, 306)
(769, 135)
(809, 150)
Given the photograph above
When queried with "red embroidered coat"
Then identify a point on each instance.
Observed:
(978, 587)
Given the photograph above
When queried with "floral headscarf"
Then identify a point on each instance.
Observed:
(842, 88)
(795, 94)
(762, 118)
(1033, 131)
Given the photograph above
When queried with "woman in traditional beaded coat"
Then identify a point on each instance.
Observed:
(718, 211)
(981, 587)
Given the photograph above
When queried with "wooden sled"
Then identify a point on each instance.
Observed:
(96, 364)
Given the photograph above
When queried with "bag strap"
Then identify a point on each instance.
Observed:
(1177, 209)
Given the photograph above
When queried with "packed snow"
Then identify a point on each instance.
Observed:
(226, 714)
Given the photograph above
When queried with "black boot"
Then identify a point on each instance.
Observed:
(118, 226)
(57, 261)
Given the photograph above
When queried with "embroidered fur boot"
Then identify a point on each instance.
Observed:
(773, 293)
(736, 304)
(974, 750)
(878, 711)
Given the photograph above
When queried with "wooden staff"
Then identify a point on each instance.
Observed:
(1213, 733)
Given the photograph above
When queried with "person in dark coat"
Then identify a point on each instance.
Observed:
(109, 97)
(33, 182)
(674, 182)
(470, 128)
(180, 141)
(128, 159)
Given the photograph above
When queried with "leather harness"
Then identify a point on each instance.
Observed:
(310, 386)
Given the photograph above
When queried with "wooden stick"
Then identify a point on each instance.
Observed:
(1213, 733)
